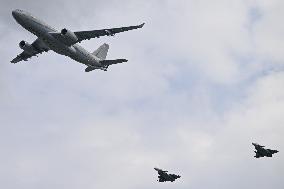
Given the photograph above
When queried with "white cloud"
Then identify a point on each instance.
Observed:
(193, 96)
(267, 32)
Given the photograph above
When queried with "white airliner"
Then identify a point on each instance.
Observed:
(65, 42)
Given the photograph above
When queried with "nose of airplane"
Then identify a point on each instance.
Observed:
(16, 14)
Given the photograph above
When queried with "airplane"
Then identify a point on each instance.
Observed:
(164, 176)
(65, 42)
(262, 152)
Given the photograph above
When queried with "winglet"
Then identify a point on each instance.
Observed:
(141, 25)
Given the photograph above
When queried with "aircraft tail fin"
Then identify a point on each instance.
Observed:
(101, 52)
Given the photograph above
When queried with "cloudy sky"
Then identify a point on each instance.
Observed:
(204, 79)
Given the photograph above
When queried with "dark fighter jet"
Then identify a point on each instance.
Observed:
(164, 176)
(260, 151)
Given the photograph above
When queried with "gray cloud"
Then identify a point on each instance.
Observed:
(191, 99)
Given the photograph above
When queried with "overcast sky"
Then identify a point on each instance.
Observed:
(204, 80)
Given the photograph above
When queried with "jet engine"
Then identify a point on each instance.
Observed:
(70, 37)
(27, 47)
(109, 33)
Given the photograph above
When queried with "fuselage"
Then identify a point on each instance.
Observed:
(262, 151)
(42, 31)
(164, 176)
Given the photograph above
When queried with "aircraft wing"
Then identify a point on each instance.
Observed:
(38, 47)
(83, 35)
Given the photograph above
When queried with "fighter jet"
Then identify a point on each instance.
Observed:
(261, 151)
(65, 42)
(164, 176)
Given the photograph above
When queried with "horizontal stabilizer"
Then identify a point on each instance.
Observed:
(110, 62)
